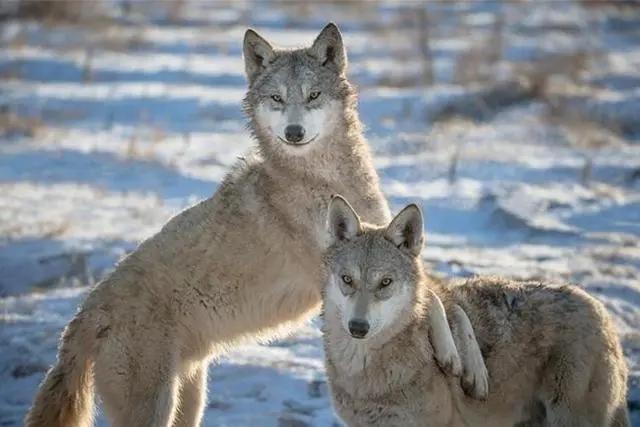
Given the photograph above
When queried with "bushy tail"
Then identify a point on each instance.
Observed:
(65, 397)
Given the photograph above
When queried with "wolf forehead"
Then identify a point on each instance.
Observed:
(298, 68)
(370, 250)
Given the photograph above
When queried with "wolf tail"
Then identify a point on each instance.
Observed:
(65, 397)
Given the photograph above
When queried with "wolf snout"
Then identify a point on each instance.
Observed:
(358, 328)
(294, 133)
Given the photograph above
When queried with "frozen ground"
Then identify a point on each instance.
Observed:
(520, 141)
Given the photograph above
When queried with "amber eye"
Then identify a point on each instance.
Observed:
(276, 98)
(347, 279)
(385, 282)
(314, 95)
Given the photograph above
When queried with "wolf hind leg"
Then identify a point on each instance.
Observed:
(138, 386)
(152, 404)
(193, 395)
(565, 392)
(562, 415)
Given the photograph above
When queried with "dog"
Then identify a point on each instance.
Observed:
(552, 353)
(242, 265)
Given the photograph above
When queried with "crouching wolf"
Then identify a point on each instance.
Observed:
(243, 264)
(552, 353)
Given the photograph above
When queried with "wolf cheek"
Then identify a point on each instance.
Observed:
(294, 126)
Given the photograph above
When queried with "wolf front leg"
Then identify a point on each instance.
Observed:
(441, 338)
(475, 378)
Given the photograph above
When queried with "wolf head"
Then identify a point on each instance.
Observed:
(296, 97)
(374, 273)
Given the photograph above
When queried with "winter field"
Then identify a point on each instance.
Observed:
(516, 126)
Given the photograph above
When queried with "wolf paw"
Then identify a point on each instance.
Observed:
(475, 381)
(449, 361)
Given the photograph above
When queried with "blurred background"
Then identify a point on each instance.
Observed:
(515, 124)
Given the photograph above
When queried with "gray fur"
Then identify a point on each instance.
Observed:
(552, 353)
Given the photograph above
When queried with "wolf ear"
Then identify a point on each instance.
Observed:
(343, 222)
(405, 230)
(328, 47)
(257, 54)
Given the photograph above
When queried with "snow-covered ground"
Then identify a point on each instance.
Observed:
(516, 126)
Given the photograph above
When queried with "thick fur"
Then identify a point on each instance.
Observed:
(365, 300)
(552, 352)
(243, 264)
(545, 343)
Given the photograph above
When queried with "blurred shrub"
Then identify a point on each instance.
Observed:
(51, 10)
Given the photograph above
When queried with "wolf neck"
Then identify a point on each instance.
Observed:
(362, 369)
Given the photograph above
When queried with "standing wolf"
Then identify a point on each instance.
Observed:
(549, 350)
(243, 264)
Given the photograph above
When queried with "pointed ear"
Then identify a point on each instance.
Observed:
(328, 48)
(343, 222)
(405, 230)
(257, 54)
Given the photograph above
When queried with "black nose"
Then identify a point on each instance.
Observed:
(294, 133)
(358, 328)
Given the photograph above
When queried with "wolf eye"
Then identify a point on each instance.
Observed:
(347, 279)
(385, 282)
(276, 98)
(314, 95)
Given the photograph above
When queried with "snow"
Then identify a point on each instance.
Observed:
(106, 132)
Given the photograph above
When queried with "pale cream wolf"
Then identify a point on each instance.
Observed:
(243, 264)
(553, 355)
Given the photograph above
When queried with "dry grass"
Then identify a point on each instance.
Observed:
(478, 64)
(630, 6)
(491, 99)
(172, 11)
(583, 133)
(13, 124)
(54, 11)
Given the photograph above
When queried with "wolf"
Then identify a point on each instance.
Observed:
(552, 353)
(244, 264)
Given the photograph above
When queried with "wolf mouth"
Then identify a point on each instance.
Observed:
(299, 144)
